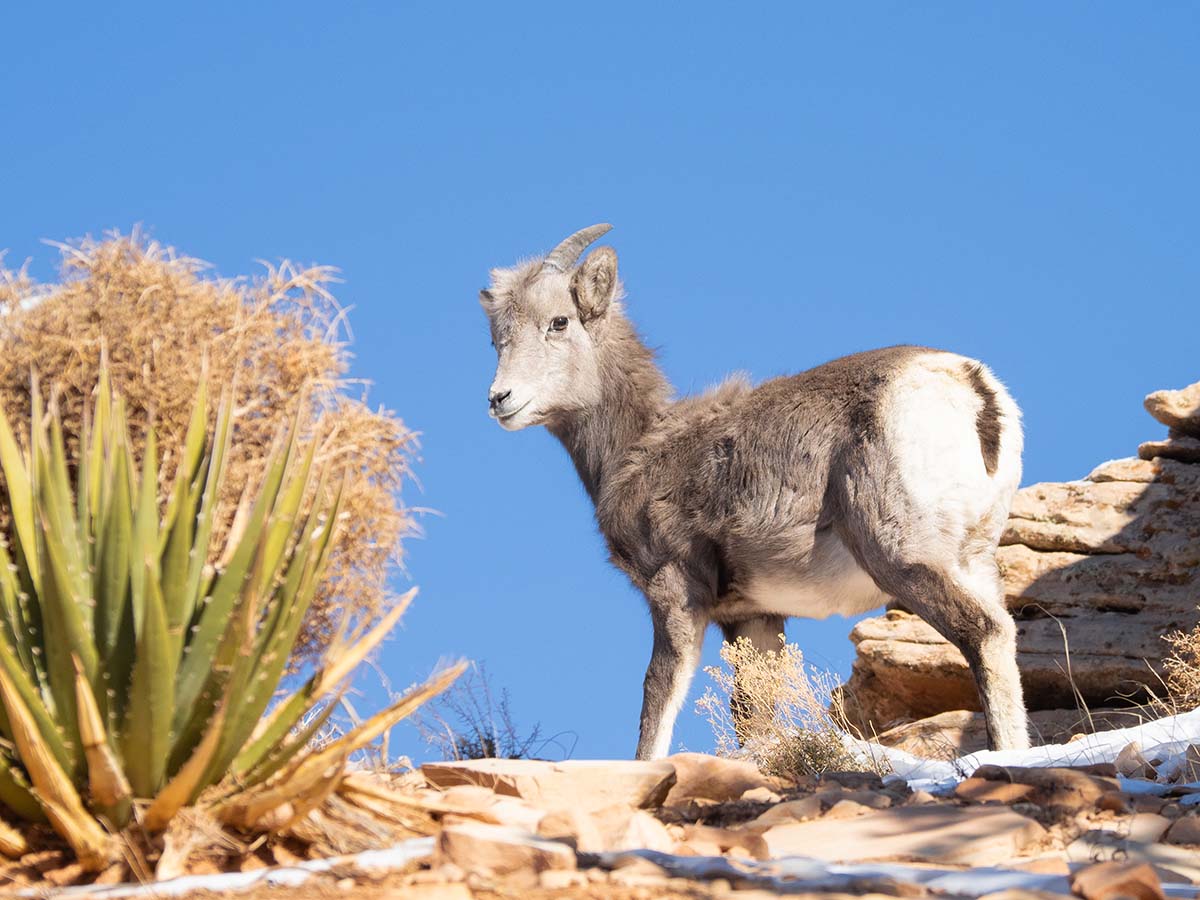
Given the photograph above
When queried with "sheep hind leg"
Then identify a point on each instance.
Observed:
(959, 594)
(963, 604)
(765, 633)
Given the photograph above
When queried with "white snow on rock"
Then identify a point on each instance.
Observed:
(1166, 739)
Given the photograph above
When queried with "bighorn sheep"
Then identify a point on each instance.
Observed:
(884, 474)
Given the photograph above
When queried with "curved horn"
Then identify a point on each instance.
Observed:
(565, 254)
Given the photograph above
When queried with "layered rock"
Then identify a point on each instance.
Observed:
(1095, 573)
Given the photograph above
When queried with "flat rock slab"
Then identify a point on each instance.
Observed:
(972, 836)
(573, 784)
(1183, 448)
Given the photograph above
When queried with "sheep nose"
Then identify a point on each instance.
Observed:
(496, 398)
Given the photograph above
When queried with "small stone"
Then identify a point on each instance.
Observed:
(67, 875)
(981, 790)
(1185, 830)
(760, 795)
(572, 827)
(1132, 764)
(846, 809)
(699, 776)
(1112, 880)
(1148, 827)
(114, 874)
(1116, 801)
(868, 798)
(624, 828)
(499, 850)
(732, 841)
(920, 798)
(790, 811)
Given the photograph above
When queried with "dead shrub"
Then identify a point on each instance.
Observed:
(794, 721)
(278, 340)
(1182, 667)
(471, 720)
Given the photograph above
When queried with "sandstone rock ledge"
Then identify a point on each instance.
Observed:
(1102, 568)
(702, 827)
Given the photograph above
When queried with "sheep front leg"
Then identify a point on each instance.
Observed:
(678, 636)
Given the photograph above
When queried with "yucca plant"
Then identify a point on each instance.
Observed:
(137, 664)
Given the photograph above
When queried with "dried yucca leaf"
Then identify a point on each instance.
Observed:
(12, 842)
(108, 788)
(55, 791)
(312, 767)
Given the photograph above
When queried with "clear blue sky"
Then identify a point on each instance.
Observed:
(788, 182)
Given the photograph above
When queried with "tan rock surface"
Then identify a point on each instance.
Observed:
(624, 828)
(499, 850)
(1055, 788)
(1112, 560)
(699, 776)
(1186, 830)
(1183, 448)
(971, 836)
(577, 784)
(1112, 880)
(1177, 409)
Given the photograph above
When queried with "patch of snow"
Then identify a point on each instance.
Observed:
(1167, 739)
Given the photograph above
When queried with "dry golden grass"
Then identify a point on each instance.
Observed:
(791, 718)
(277, 338)
(1182, 667)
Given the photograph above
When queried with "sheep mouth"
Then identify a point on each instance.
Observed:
(505, 417)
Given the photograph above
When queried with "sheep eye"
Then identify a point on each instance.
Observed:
(558, 323)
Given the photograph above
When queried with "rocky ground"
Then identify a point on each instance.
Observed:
(700, 826)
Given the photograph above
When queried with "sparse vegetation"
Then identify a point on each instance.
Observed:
(276, 339)
(1182, 667)
(472, 721)
(135, 675)
(790, 713)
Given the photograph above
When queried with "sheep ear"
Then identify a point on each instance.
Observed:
(487, 300)
(594, 284)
